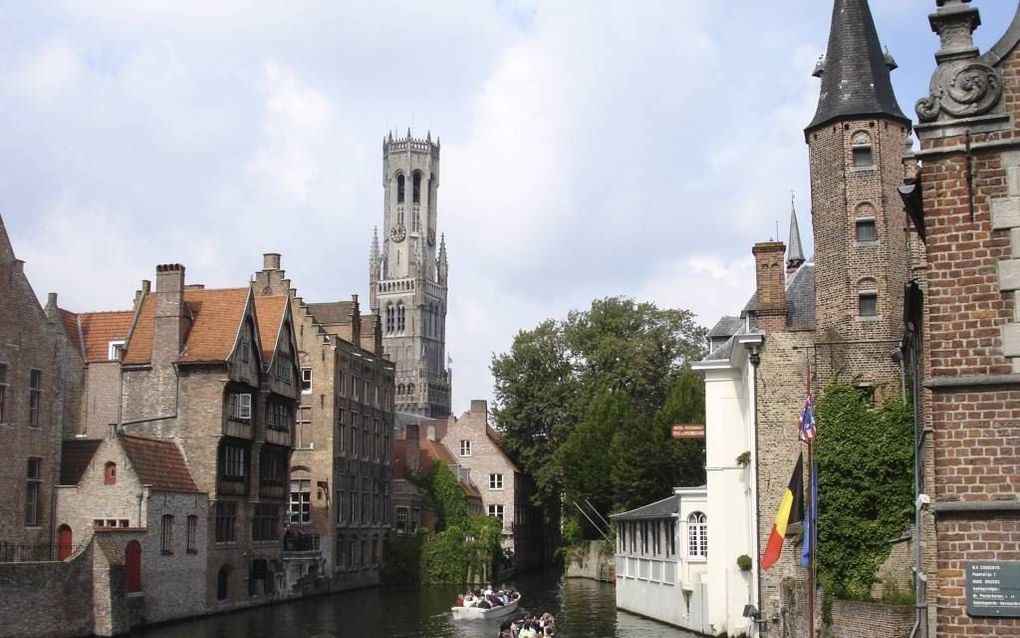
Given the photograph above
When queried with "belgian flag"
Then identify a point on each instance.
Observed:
(791, 509)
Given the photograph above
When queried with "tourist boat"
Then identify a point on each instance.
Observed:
(479, 613)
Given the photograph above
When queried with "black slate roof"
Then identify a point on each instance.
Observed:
(659, 509)
(75, 456)
(855, 74)
(726, 327)
(800, 299)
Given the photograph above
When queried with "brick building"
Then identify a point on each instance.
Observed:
(138, 496)
(340, 470)
(39, 390)
(965, 203)
(215, 371)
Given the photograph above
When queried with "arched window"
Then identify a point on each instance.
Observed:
(416, 188)
(133, 559)
(410, 389)
(222, 580)
(860, 147)
(697, 535)
(401, 323)
(400, 189)
(390, 318)
(110, 473)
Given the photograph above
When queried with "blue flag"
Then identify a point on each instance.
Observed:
(810, 519)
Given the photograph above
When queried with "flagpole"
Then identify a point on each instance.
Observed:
(813, 526)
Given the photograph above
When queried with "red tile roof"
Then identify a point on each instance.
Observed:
(159, 464)
(270, 311)
(70, 321)
(75, 456)
(216, 319)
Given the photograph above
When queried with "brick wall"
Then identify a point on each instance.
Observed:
(47, 600)
(854, 619)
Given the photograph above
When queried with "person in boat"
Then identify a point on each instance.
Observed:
(459, 602)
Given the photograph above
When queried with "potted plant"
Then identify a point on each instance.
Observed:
(744, 562)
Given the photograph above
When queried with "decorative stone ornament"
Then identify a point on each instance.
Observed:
(431, 237)
(964, 84)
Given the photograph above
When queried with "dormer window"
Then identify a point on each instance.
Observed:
(115, 349)
(861, 150)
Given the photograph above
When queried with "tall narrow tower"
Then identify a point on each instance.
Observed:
(856, 141)
(407, 277)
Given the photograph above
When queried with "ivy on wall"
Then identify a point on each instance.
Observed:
(865, 458)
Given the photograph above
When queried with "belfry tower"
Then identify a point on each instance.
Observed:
(856, 143)
(408, 276)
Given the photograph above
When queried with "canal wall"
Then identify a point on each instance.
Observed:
(590, 559)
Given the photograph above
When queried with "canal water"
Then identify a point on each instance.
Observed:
(583, 609)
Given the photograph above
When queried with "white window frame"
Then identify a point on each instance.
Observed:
(496, 482)
(497, 511)
(115, 349)
(244, 405)
(697, 536)
(465, 447)
(306, 372)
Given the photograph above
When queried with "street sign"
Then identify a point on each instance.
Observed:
(993, 588)
(688, 430)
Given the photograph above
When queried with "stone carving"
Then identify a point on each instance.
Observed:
(432, 237)
(961, 89)
(398, 233)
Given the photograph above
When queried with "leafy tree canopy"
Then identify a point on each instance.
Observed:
(586, 403)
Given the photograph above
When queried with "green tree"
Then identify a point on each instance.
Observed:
(586, 403)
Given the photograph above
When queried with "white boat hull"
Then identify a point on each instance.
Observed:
(478, 613)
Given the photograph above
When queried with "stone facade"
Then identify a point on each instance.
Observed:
(408, 276)
(965, 197)
(340, 471)
(38, 399)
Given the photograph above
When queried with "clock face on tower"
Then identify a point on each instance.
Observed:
(398, 233)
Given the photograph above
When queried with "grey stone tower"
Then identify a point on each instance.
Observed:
(407, 276)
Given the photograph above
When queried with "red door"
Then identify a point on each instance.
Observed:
(133, 556)
(64, 542)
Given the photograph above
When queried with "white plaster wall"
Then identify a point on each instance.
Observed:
(729, 507)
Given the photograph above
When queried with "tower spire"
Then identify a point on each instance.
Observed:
(795, 252)
(855, 71)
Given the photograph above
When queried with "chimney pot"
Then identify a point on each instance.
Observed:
(271, 261)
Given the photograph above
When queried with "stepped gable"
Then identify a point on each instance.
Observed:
(158, 464)
(855, 71)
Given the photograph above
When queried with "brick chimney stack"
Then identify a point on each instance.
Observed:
(270, 261)
(169, 325)
(770, 277)
(412, 448)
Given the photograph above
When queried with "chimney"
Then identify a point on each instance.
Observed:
(412, 448)
(19, 266)
(770, 277)
(270, 261)
(51, 306)
(355, 321)
(168, 326)
(141, 294)
(480, 406)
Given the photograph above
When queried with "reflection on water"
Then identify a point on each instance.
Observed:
(583, 608)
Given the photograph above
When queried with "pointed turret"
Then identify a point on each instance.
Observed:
(443, 265)
(373, 255)
(855, 71)
(795, 252)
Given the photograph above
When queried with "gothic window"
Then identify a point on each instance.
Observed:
(401, 324)
(416, 188)
(697, 535)
(390, 318)
(861, 150)
(400, 189)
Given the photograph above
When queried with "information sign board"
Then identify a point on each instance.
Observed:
(689, 431)
(993, 588)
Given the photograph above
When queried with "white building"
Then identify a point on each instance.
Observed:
(677, 559)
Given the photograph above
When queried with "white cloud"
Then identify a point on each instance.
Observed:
(48, 73)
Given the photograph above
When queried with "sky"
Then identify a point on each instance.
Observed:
(589, 148)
